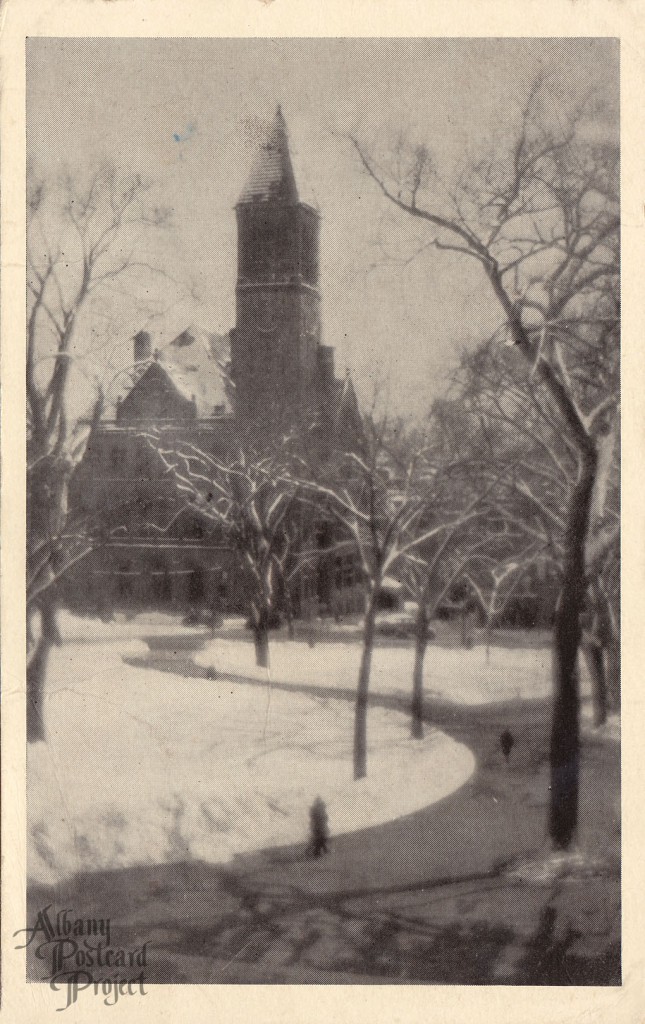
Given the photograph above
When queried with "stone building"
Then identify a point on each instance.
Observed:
(204, 388)
(276, 353)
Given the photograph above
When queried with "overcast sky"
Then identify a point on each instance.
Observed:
(128, 101)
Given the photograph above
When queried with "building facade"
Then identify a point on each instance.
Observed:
(207, 390)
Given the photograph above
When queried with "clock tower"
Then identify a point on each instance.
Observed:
(275, 346)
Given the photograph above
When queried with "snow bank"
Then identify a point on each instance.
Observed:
(143, 766)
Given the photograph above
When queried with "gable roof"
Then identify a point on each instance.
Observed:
(155, 395)
(195, 365)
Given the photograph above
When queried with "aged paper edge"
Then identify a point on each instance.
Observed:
(469, 18)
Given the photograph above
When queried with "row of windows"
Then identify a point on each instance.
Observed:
(162, 583)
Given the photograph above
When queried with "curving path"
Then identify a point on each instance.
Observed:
(431, 897)
(149, 766)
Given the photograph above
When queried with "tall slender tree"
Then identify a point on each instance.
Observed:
(541, 220)
(81, 241)
(381, 497)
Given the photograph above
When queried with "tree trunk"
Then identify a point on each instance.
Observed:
(489, 634)
(362, 691)
(565, 727)
(261, 642)
(464, 633)
(594, 657)
(288, 611)
(613, 673)
(611, 647)
(261, 638)
(420, 646)
(37, 672)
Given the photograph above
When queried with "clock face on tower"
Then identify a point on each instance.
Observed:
(264, 312)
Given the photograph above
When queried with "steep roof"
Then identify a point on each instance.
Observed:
(196, 364)
(272, 176)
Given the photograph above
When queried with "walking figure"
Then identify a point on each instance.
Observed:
(319, 828)
(507, 743)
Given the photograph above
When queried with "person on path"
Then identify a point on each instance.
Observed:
(319, 823)
(507, 743)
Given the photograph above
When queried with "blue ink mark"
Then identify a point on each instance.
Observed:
(190, 130)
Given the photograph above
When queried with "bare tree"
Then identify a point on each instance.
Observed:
(464, 496)
(380, 497)
(251, 496)
(494, 581)
(81, 241)
(429, 575)
(541, 220)
(517, 420)
(601, 638)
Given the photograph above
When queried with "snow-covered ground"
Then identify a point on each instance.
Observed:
(80, 629)
(455, 674)
(145, 766)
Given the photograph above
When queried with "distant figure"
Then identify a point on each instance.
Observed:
(319, 828)
(507, 743)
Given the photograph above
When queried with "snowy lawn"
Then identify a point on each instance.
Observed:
(81, 629)
(144, 766)
(454, 674)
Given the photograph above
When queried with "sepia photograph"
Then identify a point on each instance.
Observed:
(323, 677)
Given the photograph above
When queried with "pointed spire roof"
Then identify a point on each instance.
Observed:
(272, 174)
